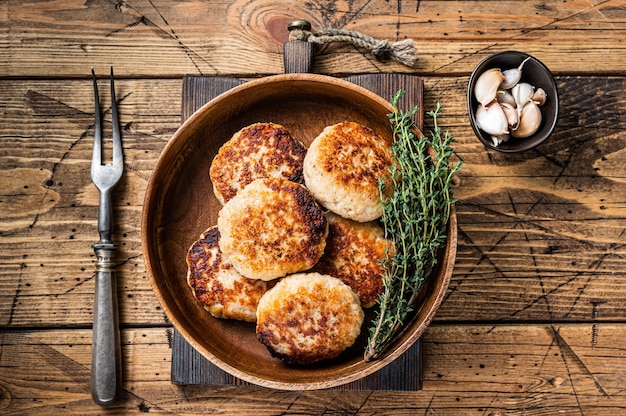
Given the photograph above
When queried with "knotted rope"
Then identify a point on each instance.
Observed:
(403, 51)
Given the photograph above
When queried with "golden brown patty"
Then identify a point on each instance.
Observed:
(213, 280)
(353, 253)
(308, 317)
(342, 168)
(260, 150)
(272, 228)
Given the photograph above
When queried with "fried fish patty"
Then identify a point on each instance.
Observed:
(342, 168)
(272, 228)
(353, 254)
(308, 317)
(222, 290)
(260, 150)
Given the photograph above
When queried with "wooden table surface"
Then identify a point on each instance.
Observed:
(534, 318)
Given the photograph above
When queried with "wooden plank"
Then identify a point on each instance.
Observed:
(189, 367)
(541, 251)
(169, 38)
(49, 205)
(545, 227)
(503, 369)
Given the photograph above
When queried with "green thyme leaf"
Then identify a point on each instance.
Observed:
(415, 218)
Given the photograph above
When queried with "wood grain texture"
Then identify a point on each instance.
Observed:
(153, 39)
(506, 369)
(533, 322)
(544, 227)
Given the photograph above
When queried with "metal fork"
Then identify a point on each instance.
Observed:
(106, 375)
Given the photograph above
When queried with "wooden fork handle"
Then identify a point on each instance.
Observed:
(106, 354)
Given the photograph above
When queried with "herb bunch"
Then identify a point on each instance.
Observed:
(415, 218)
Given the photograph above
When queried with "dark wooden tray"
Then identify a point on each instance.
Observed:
(189, 366)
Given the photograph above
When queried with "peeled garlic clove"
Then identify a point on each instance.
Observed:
(487, 84)
(512, 76)
(529, 121)
(540, 97)
(505, 97)
(511, 114)
(491, 119)
(498, 140)
(522, 93)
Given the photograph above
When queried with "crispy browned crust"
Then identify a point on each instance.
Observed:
(272, 228)
(343, 167)
(353, 254)
(215, 283)
(308, 317)
(258, 151)
(355, 155)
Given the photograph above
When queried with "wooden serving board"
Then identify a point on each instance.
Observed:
(188, 365)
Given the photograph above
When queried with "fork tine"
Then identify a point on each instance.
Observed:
(117, 141)
(96, 158)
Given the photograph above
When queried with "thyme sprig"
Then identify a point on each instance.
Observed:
(415, 218)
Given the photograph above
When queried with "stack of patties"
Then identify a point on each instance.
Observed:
(342, 169)
(257, 151)
(276, 256)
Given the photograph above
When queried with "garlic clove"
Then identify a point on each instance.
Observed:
(498, 140)
(487, 85)
(491, 119)
(540, 97)
(512, 116)
(505, 97)
(512, 76)
(522, 93)
(529, 121)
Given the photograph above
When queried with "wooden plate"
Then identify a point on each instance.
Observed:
(179, 205)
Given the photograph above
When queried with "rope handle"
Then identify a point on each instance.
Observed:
(403, 51)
